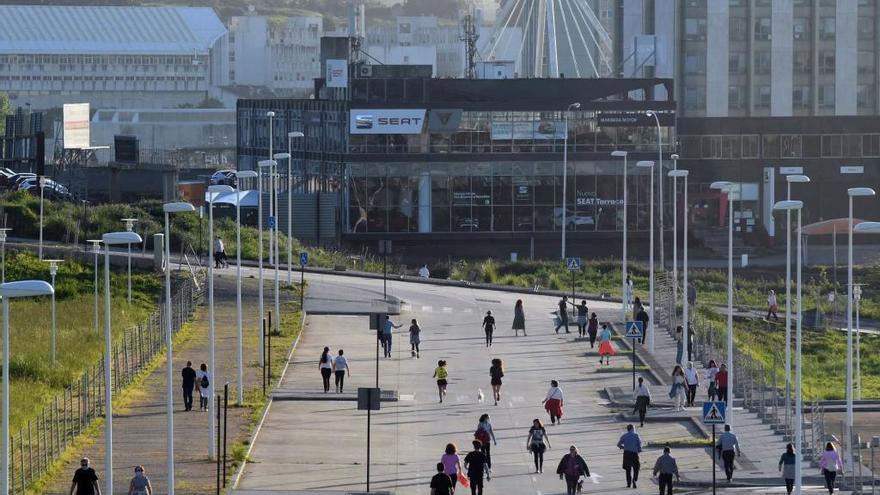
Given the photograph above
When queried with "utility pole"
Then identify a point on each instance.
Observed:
(469, 36)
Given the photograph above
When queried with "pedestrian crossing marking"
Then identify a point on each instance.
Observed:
(447, 309)
(427, 309)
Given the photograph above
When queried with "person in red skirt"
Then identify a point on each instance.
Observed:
(553, 402)
(606, 348)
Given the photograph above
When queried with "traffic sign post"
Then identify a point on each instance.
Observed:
(714, 413)
(369, 400)
(573, 264)
(271, 222)
(303, 261)
(633, 330)
(385, 250)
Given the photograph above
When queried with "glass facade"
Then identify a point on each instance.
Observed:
(493, 197)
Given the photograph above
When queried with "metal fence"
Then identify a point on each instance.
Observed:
(35, 446)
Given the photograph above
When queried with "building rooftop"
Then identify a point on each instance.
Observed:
(38, 29)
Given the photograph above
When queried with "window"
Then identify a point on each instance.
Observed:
(739, 28)
(791, 146)
(711, 147)
(762, 62)
(871, 145)
(736, 62)
(771, 146)
(826, 62)
(827, 28)
(811, 145)
(852, 145)
(831, 145)
(735, 98)
(866, 62)
(826, 96)
(762, 29)
(865, 96)
(762, 97)
(694, 29)
(750, 146)
(694, 98)
(800, 97)
(802, 62)
(801, 28)
(866, 28)
(695, 63)
(731, 147)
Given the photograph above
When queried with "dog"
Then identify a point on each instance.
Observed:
(480, 396)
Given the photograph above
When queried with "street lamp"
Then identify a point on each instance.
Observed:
(111, 239)
(675, 242)
(675, 174)
(42, 184)
(213, 192)
(649, 334)
(3, 232)
(53, 270)
(278, 156)
(789, 179)
(129, 227)
(168, 209)
(8, 290)
(618, 153)
(96, 250)
(788, 206)
(290, 137)
(651, 113)
(242, 174)
(857, 297)
(271, 116)
(262, 164)
(573, 106)
(727, 188)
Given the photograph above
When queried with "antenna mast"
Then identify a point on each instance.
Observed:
(469, 36)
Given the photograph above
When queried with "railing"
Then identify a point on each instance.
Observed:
(35, 446)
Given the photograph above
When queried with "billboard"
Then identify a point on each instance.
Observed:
(386, 121)
(337, 73)
(76, 125)
(538, 130)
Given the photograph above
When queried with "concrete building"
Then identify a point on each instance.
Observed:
(418, 41)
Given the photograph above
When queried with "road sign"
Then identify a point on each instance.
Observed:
(303, 258)
(573, 263)
(271, 222)
(368, 399)
(633, 330)
(384, 246)
(713, 412)
(377, 321)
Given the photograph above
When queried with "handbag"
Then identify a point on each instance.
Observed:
(462, 479)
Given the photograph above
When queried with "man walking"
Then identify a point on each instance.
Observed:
(631, 444)
(475, 463)
(219, 253)
(692, 378)
(642, 316)
(728, 448)
(563, 315)
(85, 481)
(386, 335)
(188, 382)
(666, 468)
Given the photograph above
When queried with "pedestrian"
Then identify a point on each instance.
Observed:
(562, 315)
(642, 316)
(728, 448)
(606, 348)
(787, 467)
(830, 463)
(386, 335)
(203, 378)
(690, 341)
(592, 329)
(219, 253)
(451, 463)
(666, 467)
(628, 291)
(692, 380)
(424, 272)
(643, 400)
(721, 383)
(340, 367)
(140, 484)
(519, 318)
(583, 316)
(771, 306)
(553, 402)
(679, 344)
(441, 483)
(486, 434)
(489, 327)
(637, 306)
(691, 295)
(325, 366)
(414, 338)
(188, 382)
(475, 463)
(571, 468)
(677, 391)
(496, 372)
(537, 443)
(631, 444)
(85, 480)
(440, 374)
(711, 373)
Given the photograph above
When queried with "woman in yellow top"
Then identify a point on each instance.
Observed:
(440, 374)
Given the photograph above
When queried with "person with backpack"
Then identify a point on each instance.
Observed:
(486, 434)
(571, 468)
(204, 381)
(325, 366)
(340, 366)
(537, 443)
(496, 372)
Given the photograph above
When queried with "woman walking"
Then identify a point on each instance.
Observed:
(537, 443)
(643, 400)
(582, 313)
(204, 381)
(606, 348)
(519, 318)
(786, 467)
(711, 371)
(771, 305)
(325, 366)
(140, 484)
(489, 327)
(637, 306)
(496, 372)
(593, 329)
(451, 463)
(414, 339)
(677, 392)
(440, 374)
(830, 463)
(571, 468)
(553, 402)
(486, 434)
(679, 343)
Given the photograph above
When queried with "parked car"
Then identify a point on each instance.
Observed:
(572, 219)
(224, 177)
(21, 177)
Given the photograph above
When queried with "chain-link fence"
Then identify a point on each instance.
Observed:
(34, 447)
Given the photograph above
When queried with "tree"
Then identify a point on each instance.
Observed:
(4, 110)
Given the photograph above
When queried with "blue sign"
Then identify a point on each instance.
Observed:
(271, 222)
(573, 264)
(713, 413)
(633, 329)
(304, 258)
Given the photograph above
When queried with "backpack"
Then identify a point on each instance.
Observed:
(205, 383)
(482, 435)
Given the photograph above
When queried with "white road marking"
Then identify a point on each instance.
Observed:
(594, 477)
(406, 397)
(468, 310)
(427, 309)
(406, 307)
(447, 309)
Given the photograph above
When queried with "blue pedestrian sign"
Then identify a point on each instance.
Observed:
(633, 330)
(304, 258)
(271, 222)
(713, 412)
(573, 264)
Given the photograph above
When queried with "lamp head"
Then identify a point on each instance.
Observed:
(112, 238)
(96, 245)
(618, 153)
(678, 173)
(281, 156)
(650, 113)
(246, 174)
(270, 114)
(645, 163)
(129, 223)
(26, 288)
(674, 156)
(178, 207)
(295, 134)
(53, 266)
(867, 228)
(220, 189)
(860, 191)
(3, 232)
(267, 163)
(788, 205)
(574, 106)
(722, 185)
(796, 179)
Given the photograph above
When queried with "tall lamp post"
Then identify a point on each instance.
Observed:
(239, 354)
(96, 250)
(290, 137)
(789, 179)
(675, 174)
(42, 184)
(8, 290)
(129, 227)
(618, 153)
(53, 271)
(675, 242)
(275, 229)
(857, 298)
(168, 209)
(573, 106)
(651, 113)
(3, 232)
(261, 164)
(111, 239)
(649, 332)
(727, 188)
